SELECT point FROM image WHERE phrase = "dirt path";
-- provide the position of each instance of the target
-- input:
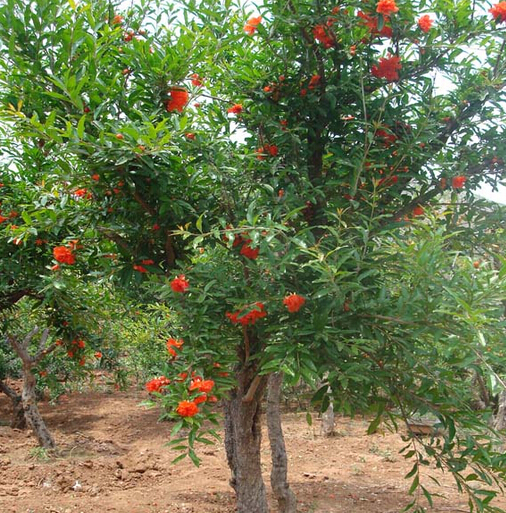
(116, 462)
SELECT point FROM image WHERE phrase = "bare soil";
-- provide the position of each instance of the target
(114, 460)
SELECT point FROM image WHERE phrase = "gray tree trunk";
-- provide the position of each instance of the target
(28, 398)
(500, 418)
(242, 440)
(287, 502)
(328, 421)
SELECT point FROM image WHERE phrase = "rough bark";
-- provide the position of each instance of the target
(18, 420)
(28, 397)
(500, 418)
(243, 438)
(287, 502)
(328, 421)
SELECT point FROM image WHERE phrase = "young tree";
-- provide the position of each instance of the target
(281, 253)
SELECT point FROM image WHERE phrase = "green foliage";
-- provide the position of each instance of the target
(312, 187)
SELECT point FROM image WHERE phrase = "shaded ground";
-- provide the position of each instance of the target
(115, 461)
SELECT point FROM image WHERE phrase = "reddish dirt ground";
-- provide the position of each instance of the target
(114, 460)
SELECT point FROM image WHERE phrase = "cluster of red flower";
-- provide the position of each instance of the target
(267, 149)
(178, 99)
(246, 249)
(235, 109)
(325, 35)
(203, 387)
(173, 344)
(248, 315)
(498, 12)
(156, 384)
(64, 255)
(179, 284)
(294, 302)
(76, 351)
(388, 68)
(252, 24)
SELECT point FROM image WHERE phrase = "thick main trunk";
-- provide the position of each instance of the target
(242, 441)
(287, 503)
(32, 414)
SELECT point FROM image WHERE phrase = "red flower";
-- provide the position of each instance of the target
(270, 149)
(200, 399)
(248, 252)
(3, 218)
(315, 80)
(418, 211)
(70, 354)
(294, 302)
(425, 22)
(64, 255)
(187, 409)
(498, 11)
(257, 312)
(459, 181)
(386, 136)
(201, 385)
(82, 361)
(95, 177)
(81, 344)
(179, 284)
(372, 23)
(55, 267)
(324, 35)
(252, 24)
(117, 20)
(140, 269)
(387, 68)
(156, 384)
(178, 99)
(386, 7)
(196, 80)
(173, 343)
(147, 262)
(80, 193)
(190, 136)
(235, 109)
(98, 354)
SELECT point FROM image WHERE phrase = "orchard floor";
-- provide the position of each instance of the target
(115, 461)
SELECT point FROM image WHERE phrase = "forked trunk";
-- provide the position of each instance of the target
(242, 440)
(287, 503)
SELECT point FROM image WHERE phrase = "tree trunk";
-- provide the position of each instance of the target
(242, 440)
(18, 420)
(28, 397)
(32, 414)
(287, 503)
(328, 421)
(500, 418)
